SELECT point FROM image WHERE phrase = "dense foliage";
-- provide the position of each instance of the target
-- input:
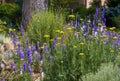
(112, 3)
(51, 49)
(44, 24)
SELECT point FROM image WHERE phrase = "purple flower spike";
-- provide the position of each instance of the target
(63, 37)
(36, 55)
(11, 24)
(40, 63)
(12, 64)
(27, 41)
(29, 69)
(0, 64)
(2, 79)
(51, 58)
(14, 69)
(24, 65)
(21, 30)
(63, 46)
(41, 70)
(21, 54)
(54, 42)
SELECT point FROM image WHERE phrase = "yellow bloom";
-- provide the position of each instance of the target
(42, 47)
(119, 48)
(81, 19)
(112, 51)
(58, 31)
(100, 24)
(114, 37)
(1, 29)
(72, 16)
(4, 22)
(62, 32)
(81, 54)
(78, 32)
(113, 28)
(58, 44)
(69, 28)
(10, 29)
(51, 40)
(46, 36)
(74, 46)
(88, 21)
(82, 43)
(14, 29)
(118, 53)
(105, 29)
(104, 36)
(59, 38)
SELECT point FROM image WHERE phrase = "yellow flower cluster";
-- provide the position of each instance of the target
(81, 54)
(100, 25)
(72, 16)
(59, 38)
(74, 46)
(59, 31)
(2, 23)
(115, 38)
(104, 36)
(112, 28)
(111, 50)
(46, 36)
(69, 28)
(82, 43)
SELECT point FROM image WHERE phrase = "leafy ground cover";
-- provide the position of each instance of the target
(58, 52)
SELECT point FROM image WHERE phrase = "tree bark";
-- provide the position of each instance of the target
(31, 6)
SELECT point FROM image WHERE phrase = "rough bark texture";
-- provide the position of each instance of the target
(30, 6)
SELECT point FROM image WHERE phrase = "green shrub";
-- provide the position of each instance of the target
(44, 23)
(80, 10)
(107, 72)
(91, 10)
(9, 10)
(112, 3)
(112, 15)
(116, 21)
(96, 3)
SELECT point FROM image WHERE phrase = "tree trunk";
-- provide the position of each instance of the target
(31, 6)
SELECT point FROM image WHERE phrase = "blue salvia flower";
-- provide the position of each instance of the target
(3, 79)
(36, 55)
(41, 63)
(46, 48)
(41, 70)
(51, 58)
(33, 48)
(54, 42)
(38, 45)
(63, 46)
(14, 69)
(29, 56)
(96, 14)
(21, 30)
(30, 69)
(17, 39)
(0, 64)
(24, 65)
(27, 41)
(72, 10)
(63, 38)
(11, 24)
(21, 54)
(12, 64)
(21, 70)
